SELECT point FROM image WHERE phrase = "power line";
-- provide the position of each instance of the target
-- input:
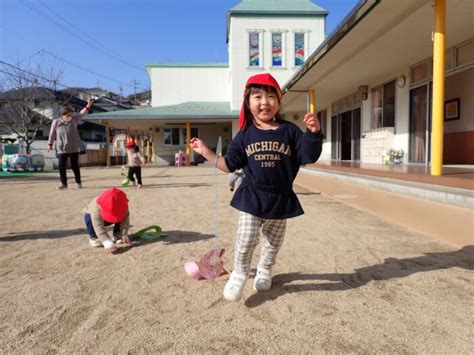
(82, 32)
(84, 69)
(31, 56)
(54, 82)
(50, 19)
(44, 51)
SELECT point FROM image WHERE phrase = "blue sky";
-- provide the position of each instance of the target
(114, 38)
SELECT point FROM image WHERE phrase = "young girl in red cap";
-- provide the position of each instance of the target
(135, 161)
(270, 150)
(111, 207)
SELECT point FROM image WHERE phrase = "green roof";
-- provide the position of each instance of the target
(284, 7)
(183, 111)
(186, 65)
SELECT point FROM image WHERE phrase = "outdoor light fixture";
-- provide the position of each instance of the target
(401, 81)
(364, 91)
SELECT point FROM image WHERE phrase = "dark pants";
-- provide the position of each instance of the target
(62, 161)
(137, 170)
(91, 231)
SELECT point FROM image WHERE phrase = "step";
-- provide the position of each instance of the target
(450, 195)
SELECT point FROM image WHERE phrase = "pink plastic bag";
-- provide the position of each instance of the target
(211, 265)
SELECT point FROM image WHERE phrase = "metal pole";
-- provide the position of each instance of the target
(188, 143)
(438, 88)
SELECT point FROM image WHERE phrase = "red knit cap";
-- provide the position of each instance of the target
(259, 79)
(130, 144)
(113, 205)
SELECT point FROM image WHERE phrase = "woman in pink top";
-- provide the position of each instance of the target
(68, 142)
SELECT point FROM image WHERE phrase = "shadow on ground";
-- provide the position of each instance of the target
(42, 235)
(171, 237)
(391, 268)
(162, 186)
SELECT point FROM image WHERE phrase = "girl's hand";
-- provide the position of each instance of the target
(111, 250)
(198, 146)
(312, 122)
(125, 239)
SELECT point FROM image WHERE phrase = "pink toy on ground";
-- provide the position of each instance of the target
(209, 267)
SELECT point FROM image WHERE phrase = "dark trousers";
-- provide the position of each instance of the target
(90, 228)
(137, 170)
(74, 160)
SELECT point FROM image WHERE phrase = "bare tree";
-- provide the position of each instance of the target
(26, 104)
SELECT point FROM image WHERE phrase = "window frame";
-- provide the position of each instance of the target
(282, 33)
(260, 48)
(383, 108)
(305, 47)
(172, 142)
(192, 135)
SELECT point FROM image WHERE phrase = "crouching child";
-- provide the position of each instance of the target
(111, 207)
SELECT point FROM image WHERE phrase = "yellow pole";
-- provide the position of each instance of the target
(188, 143)
(312, 100)
(438, 89)
(152, 151)
(107, 145)
(148, 155)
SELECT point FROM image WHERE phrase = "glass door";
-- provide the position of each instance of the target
(335, 137)
(419, 129)
(356, 128)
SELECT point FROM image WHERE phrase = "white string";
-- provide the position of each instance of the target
(216, 195)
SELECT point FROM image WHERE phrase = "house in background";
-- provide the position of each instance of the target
(204, 99)
(46, 103)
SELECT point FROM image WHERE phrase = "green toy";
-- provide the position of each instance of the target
(146, 234)
(125, 182)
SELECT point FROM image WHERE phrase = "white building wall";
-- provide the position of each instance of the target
(402, 114)
(326, 152)
(239, 52)
(175, 85)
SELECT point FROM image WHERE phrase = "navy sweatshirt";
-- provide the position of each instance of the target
(271, 160)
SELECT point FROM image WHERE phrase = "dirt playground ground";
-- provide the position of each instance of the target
(345, 281)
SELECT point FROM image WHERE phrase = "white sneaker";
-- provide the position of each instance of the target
(134, 183)
(234, 287)
(139, 186)
(78, 186)
(95, 242)
(263, 279)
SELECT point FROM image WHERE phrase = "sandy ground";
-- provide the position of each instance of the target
(345, 280)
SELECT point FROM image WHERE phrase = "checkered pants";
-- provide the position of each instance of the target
(248, 233)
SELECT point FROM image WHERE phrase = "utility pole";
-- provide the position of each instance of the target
(121, 91)
(135, 84)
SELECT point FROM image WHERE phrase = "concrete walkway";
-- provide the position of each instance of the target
(452, 224)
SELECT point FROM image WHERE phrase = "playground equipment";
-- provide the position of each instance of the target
(22, 162)
(180, 159)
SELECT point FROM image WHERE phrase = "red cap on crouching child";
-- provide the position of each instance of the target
(259, 79)
(113, 205)
(130, 144)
